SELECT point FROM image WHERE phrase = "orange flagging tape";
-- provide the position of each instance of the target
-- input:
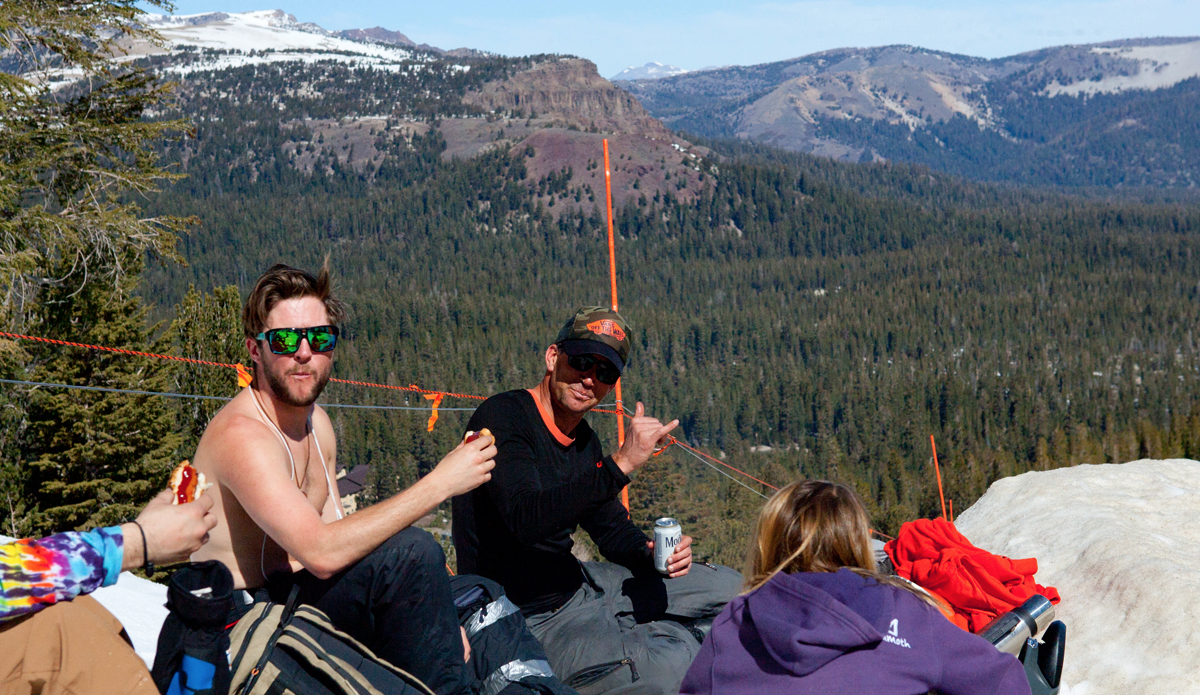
(433, 416)
(245, 378)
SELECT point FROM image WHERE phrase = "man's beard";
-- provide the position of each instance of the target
(279, 387)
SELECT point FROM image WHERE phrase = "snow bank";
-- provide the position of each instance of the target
(1121, 542)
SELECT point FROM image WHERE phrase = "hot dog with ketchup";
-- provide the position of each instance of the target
(187, 483)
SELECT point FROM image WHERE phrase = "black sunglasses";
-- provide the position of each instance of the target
(286, 341)
(606, 373)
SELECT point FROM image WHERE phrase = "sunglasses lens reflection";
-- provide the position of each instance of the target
(284, 342)
(322, 339)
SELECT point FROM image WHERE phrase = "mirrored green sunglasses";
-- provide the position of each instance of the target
(286, 341)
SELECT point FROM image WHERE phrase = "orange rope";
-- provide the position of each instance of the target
(413, 388)
(716, 460)
(938, 469)
(122, 351)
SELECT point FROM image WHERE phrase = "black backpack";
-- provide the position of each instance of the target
(505, 655)
(192, 645)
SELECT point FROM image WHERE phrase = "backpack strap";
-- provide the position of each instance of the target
(293, 601)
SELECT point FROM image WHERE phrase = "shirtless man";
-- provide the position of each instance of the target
(272, 452)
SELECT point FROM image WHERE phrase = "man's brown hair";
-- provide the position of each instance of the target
(285, 282)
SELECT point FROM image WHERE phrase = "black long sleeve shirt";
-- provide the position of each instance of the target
(516, 529)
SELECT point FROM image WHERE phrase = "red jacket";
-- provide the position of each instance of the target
(977, 585)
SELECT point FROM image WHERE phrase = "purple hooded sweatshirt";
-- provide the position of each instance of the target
(838, 632)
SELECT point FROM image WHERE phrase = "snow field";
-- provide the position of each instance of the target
(1121, 542)
(1161, 66)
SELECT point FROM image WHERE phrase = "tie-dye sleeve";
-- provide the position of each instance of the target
(38, 573)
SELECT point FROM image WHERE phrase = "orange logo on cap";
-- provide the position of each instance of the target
(607, 327)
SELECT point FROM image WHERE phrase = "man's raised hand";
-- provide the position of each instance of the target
(466, 467)
(644, 435)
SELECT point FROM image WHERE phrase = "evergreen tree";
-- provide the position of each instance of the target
(206, 327)
(68, 156)
(95, 458)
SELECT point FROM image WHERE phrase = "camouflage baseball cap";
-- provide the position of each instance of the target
(594, 330)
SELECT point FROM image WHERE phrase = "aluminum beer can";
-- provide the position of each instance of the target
(667, 534)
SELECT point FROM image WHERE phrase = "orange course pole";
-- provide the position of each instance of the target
(612, 281)
(938, 469)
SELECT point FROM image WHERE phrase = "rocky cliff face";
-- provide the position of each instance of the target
(571, 93)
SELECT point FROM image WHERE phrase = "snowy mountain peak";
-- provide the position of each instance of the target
(261, 18)
(264, 36)
(649, 71)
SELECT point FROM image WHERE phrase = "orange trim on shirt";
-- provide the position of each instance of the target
(548, 417)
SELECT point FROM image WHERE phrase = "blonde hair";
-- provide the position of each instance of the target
(816, 526)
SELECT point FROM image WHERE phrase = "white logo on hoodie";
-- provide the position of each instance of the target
(893, 635)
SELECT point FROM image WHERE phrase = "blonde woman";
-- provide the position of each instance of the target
(815, 617)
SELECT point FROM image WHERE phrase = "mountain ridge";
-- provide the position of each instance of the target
(914, 104)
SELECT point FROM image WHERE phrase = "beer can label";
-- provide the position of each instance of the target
(667, 534)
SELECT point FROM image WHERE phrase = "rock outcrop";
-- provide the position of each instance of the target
(572, 93)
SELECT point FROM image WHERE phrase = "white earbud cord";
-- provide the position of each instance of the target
(337, 503)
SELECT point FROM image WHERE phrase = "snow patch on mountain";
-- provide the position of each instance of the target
(219, 40)
(1160, 66)
(649, 71)
(267, 36)
(1120, 543)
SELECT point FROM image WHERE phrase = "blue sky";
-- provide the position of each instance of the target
(701, 33)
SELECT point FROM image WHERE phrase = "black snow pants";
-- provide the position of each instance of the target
(633, 635)
(397, 602)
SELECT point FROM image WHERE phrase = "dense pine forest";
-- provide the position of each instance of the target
(802, 318)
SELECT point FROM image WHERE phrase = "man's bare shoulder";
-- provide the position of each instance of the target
(237, 434)
(323, 428)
